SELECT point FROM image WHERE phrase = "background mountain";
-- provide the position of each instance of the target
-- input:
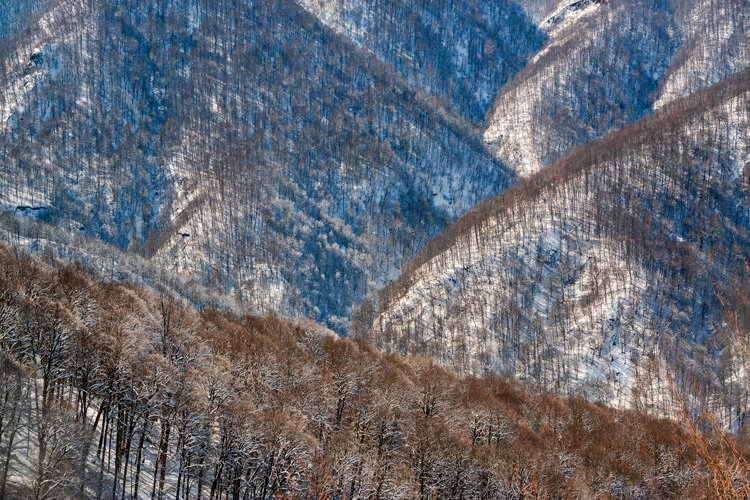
(606, 64)
(598, 274)
(247, 145)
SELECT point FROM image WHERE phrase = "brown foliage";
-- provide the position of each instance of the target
(271, 408)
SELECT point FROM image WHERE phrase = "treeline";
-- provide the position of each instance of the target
(111, 390)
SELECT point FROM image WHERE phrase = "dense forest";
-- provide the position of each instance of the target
(349, 249)
(601, 271)
(111, 390)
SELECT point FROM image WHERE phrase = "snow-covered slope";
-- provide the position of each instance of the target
(247, 146)
(460, 51)
(590, 276)
(715, 44)
(606, 64)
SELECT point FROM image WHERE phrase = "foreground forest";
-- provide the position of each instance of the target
(133, 395)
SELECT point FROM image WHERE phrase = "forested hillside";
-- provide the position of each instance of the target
(112, 391)
(246, 145)
(461, 51)
(293, 155)
(607, 64)
(599, 273)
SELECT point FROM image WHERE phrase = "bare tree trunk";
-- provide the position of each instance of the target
(200, 478)
(163, 449)
(137, 478)
(8, 456)
(128, 444)
(118, 452)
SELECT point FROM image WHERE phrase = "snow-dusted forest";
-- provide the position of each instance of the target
(111, 390)
(350, 248)
(595, 276)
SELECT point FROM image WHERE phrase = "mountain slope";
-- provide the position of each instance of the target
(247, 146)
(461, 51)
(589, 276)
(606, 64)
